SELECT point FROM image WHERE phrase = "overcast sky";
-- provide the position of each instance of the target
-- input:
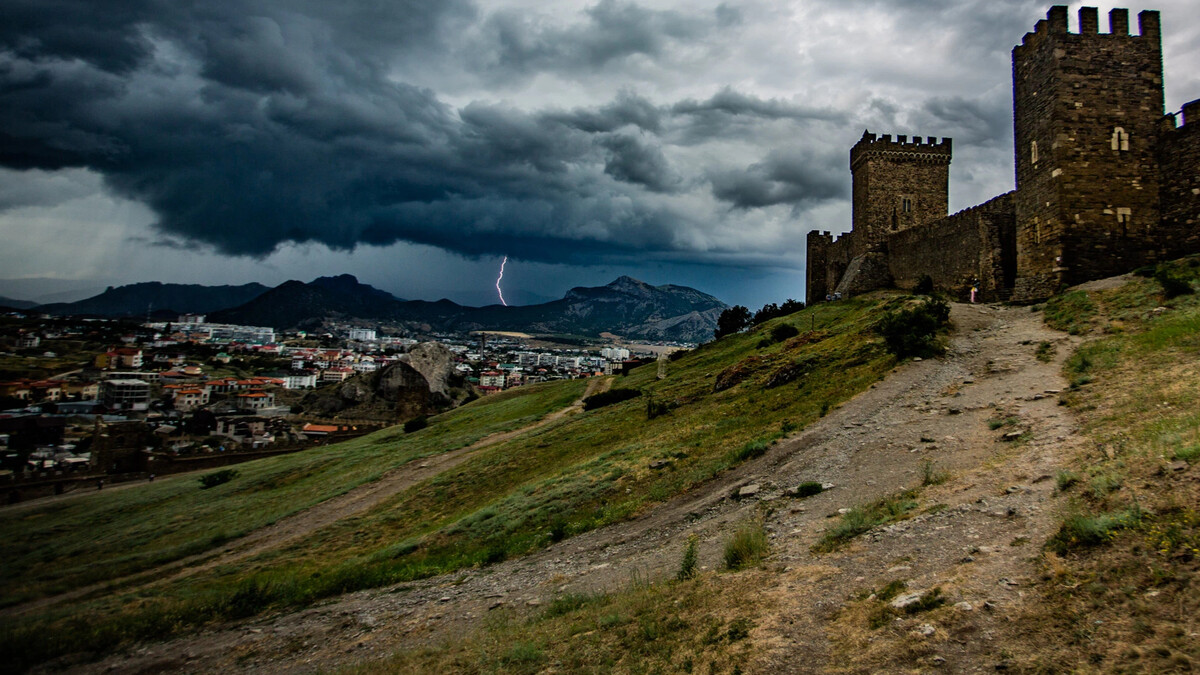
(414, 143)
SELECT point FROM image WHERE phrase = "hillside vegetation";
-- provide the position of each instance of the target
(1119, 590)
(718, 406)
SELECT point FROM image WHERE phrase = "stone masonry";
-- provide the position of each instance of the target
(1105, 182)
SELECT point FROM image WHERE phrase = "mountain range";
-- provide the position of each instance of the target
(625, 307)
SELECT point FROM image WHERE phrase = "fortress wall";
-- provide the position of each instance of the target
(1179, 184)
(978, 243)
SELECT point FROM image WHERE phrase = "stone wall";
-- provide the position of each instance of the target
(1179, 185)
(975, 244)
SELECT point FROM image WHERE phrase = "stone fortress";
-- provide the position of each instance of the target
(1106, 183)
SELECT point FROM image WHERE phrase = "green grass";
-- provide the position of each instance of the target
(746, 547)
(1071, 312)
(863, 518)
(579, 473)
(72, 543)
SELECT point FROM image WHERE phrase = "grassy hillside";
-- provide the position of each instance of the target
(717, 406)
(1119, 587)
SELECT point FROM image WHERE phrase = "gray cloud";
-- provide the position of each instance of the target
(783, 177)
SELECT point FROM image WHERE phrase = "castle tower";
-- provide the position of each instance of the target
(1087, 108)
(898, 184)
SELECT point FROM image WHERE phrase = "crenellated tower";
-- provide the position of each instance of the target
(898, 184)
(1087, 111)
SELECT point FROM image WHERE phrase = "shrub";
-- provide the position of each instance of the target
(609, 397)
(747, 547)
(931, 475)
(808, 489)
(1174, 282)
(688, 566)
(1045, 352)
(416, 424)
(656, 408)
(784, 331)
(1078, 530)
(912, 331)
(1063, 480)
(214, 479)
(924, 285)
(748, 451)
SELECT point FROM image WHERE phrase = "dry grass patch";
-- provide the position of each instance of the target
(704, 625)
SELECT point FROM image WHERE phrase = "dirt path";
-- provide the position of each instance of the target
(974, 538)
(293, 527)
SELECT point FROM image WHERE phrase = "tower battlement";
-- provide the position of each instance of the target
(1055, 24)
(901, 149)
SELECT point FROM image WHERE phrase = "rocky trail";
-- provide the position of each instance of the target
(975, 535)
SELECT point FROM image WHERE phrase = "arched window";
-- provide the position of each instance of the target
(1033, 155)
(1120, 139)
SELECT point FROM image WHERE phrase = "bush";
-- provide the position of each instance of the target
(1078, 531)
(688, 566)
(808, 489)
(214, 479)
(609, 397)
(416, 424)
(748, 451)
(784, 331)
(747, 547)
(1174, 282)
(912, 331)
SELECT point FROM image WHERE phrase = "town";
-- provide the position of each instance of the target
(89, 400)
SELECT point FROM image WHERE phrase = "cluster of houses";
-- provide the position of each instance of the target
(149, 378)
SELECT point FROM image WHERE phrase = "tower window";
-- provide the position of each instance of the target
(906, 204)
(1033, 154)
(1120, 140)
(1124, 219)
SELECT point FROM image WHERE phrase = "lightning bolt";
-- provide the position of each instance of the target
(502, 264)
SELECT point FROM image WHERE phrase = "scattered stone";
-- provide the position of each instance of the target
(954, 411)
(748, 491)
(1013, 489)
(826, 486)
(660, 463)
(926, 630)
(937, 660)
(898, 568)
(842, 512)
(444, 598)
(989, 605)
(533, 602)
(964, 606)
(917, 358)
(1011, 436)
(1178, 465)
(903, 601)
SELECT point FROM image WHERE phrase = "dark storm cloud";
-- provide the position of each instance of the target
(245, 125)
(792, 177)
(632, 160)
(977, 122)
